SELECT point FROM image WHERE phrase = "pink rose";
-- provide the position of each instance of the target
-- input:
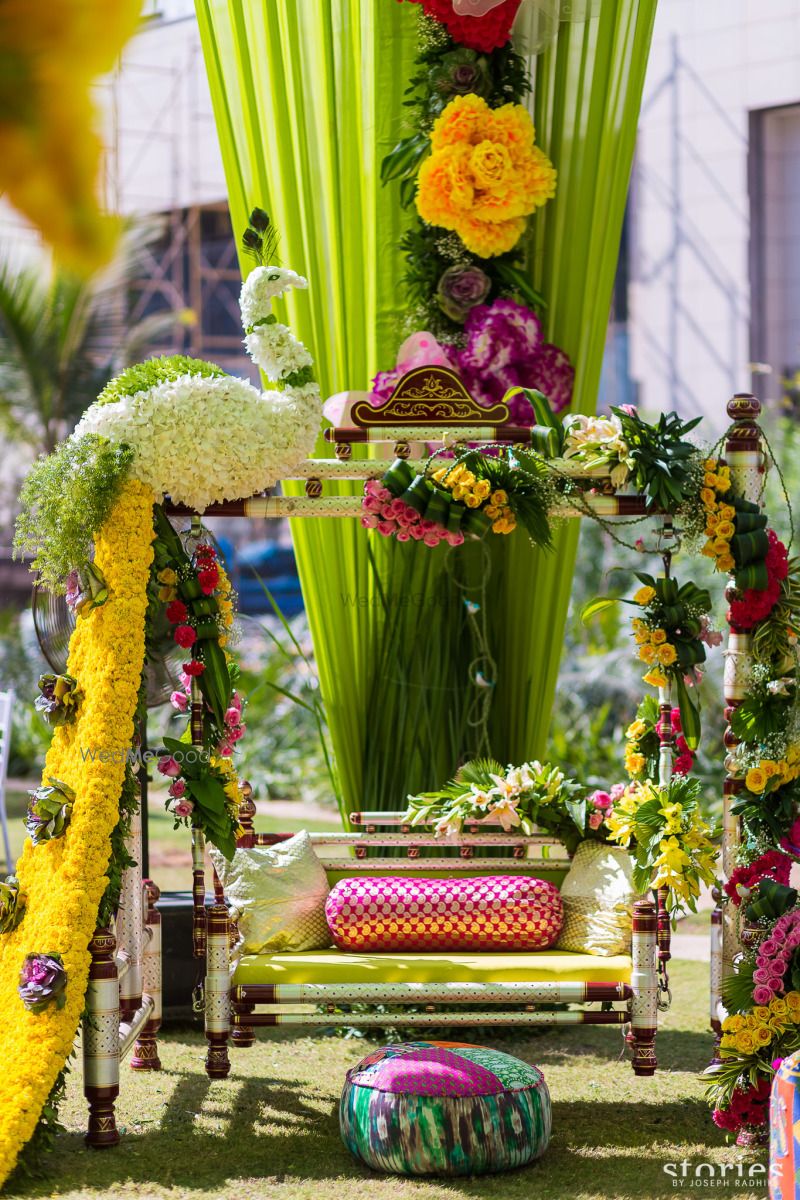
(169, 766)
(371, 504)
(769, 947)
(387, 528)
(616, 792)
(183, 808)
(428, 525)
(383, 494)
(235, 734)
(455, 539)
(595, 820)
(601, 800)
(177, 788)
(762, 995)
(224, 749)
(233, 716)
(431, 539)
(760, 975)
(180, 701)
(371, 487)
(403, 535)
(417, 532)
(369, 521)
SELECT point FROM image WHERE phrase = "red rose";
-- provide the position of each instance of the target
(177, 611)
(185, 636)
(478, 33)
(194, 667)
(208, 580)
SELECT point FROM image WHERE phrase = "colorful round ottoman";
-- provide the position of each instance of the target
(784, 1131)
(444, 1108)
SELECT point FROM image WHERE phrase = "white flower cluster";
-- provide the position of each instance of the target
(204, 440)
(276, 350)
(201, 440)
(262, 286)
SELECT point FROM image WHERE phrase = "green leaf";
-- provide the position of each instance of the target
(598, 605)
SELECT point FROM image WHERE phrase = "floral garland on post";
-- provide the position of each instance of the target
(44, 959)
(473, 170)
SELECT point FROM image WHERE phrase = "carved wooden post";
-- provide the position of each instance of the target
(101, 1042)
(244, 1035)
(217, 990)
(198, 841)
(743, 456)
(644, 981)
(145, 1051)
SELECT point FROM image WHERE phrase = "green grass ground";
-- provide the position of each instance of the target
(271, 1129)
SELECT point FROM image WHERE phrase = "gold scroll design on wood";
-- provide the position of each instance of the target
(429, 396)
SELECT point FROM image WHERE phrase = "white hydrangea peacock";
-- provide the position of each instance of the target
(202, 435)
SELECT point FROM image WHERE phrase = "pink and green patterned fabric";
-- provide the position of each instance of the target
(492, 912)
(444, 1108)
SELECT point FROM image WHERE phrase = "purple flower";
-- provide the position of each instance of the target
(384, 384)
(460, 289)
(459, 72)
(41, 980)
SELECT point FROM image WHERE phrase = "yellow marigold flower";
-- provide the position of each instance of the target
(635, 729)
(755, 780)
(658, 637)
(647, 653)
(644, 595)
(499, 497)
(482, 489)
(656, 679)
(484, 174)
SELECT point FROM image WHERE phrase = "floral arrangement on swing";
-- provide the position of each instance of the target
(142, 596)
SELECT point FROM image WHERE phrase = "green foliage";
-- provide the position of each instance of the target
(260, 239)
(153, 371)
(661, 460)
(64, 501)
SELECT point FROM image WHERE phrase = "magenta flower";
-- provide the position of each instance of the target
(180, 701)
(601, 800)
(42, 980)
(762, 994)
(233, 716)
(183, 808)
(177, 788)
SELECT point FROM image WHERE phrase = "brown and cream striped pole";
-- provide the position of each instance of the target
(217, 986)
(644, 980)
(101, 1042)
(745, 460)
(145, 1051)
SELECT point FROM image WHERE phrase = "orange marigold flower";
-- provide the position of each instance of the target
(484, 174)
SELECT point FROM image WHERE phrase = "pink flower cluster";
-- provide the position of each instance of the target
(602, 803)
(684, 760)
(746, 1107)
(394, 518)
(234, 727)
(774, 955)
(791, 842)
(182, 806)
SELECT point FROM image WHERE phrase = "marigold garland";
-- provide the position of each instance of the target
(64, 879)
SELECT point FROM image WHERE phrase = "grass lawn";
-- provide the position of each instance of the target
(271, 1129)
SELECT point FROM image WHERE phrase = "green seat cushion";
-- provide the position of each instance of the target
(336, 966)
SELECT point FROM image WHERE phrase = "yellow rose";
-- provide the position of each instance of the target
(647, 653)
(482, 489)
(733, 1024)
(471, 500)
(763, 1036)
(489, 163)
(499, 497)
(709, 479)
(642, 637)
(492, 510)
(726, 562)
(460, 492)
(769, 767)
(708, 496)
(727, 512)
(635, 730)
(745, 1042)
(659, 637)
(793, 1000)
(634, 763)
(725, 530)
(655, 679)
(778, 1006)
(667, 655)
(644, 595)
(755, 780)
(710, 464)
(708, 550)
(721, 545)
(761, 1012)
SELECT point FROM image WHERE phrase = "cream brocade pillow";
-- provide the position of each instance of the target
(597, 895)
(279, 893)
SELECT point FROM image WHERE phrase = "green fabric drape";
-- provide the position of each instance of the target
(308, 97)
(587, 96)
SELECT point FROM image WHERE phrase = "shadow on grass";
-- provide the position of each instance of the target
(263, 1128)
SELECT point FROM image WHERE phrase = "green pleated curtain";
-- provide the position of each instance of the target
(307, 97)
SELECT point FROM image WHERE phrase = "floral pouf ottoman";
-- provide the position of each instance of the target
(444, 1108)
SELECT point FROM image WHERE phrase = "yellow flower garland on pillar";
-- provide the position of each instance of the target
(64, 879)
